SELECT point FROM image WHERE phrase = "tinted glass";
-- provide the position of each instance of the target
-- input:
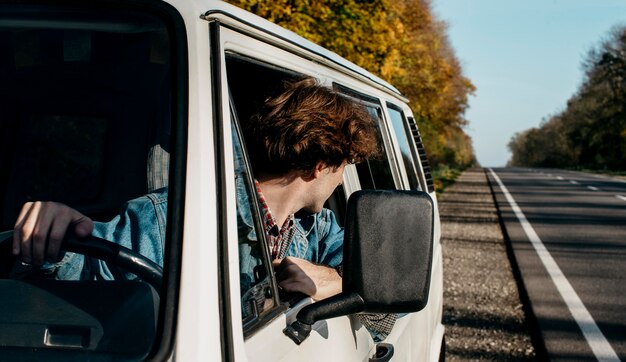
(376, 173)
(84, 98)
(398, 123)
(82, 102)
(253, 270)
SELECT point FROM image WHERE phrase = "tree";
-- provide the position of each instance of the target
(591, 131)
(402, 43)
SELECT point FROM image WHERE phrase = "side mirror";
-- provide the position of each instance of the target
(388, 246)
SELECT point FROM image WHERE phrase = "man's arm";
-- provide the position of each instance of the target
(140, 226)
(299, 275)
(41, 227)
(318, 279)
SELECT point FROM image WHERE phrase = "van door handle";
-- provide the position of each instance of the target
(384, 352)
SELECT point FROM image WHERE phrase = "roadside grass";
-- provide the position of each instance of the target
(445, 176)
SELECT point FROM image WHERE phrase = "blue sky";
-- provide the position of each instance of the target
(524, 57)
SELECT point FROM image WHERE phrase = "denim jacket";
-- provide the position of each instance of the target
(141, 224)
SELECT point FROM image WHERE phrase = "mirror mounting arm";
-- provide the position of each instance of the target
(335, 306)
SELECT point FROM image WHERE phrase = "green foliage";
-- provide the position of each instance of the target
(400, 41)
(445, 176)
(591, 131)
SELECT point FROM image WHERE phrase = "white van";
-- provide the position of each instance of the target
(104, 101)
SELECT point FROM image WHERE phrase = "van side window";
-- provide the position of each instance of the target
(398, 122)
(376, 173)
(337, 203)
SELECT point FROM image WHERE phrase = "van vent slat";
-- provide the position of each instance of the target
(422, 154)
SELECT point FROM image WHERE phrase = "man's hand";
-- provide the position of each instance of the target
(41, 227)
(299, 275)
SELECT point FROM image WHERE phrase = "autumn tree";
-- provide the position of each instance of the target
(402, 43)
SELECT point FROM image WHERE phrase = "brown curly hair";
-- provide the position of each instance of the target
(306, 124)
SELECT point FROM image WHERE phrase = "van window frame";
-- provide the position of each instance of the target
(219, 122)
(172, 261)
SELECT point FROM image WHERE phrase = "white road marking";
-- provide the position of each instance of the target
(599, 345)
(623, 198)
(592, 188)
(573, 182)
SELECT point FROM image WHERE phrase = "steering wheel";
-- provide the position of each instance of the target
(98, 248)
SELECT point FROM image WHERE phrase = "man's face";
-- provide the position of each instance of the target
(324, 186)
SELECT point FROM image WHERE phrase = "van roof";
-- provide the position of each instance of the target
(256, 26)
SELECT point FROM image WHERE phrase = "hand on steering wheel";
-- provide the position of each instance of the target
(105, 250)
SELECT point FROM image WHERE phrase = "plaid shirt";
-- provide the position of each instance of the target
(277, 238)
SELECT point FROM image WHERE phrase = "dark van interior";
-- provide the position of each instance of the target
(80, 110)
(85, 97)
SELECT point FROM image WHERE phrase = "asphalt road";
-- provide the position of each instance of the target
(568, 235)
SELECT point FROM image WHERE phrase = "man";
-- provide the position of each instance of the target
(299, 142)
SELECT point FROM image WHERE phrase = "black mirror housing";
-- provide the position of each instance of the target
(387, 261)
(388, 248)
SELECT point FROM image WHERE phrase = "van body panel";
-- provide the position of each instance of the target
(197, 334)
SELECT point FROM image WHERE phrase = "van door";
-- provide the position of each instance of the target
(411, 335)
(250, 71)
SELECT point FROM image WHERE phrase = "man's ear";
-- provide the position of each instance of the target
(319, 168)
(315, 173)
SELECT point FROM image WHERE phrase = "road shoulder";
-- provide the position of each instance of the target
(483, 313)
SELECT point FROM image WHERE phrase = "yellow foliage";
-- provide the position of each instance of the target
(401, 42)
